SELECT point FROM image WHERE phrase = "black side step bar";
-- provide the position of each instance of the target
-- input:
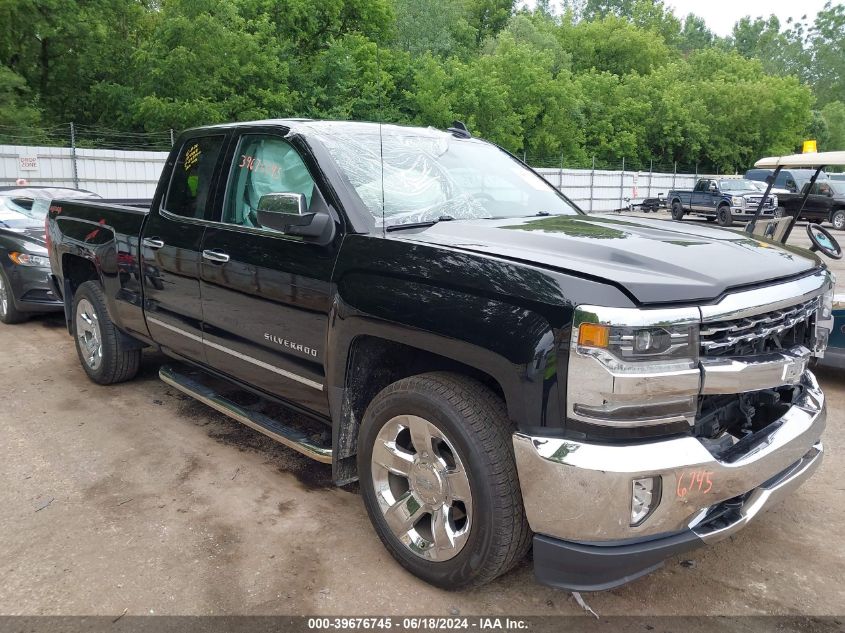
(287, 435)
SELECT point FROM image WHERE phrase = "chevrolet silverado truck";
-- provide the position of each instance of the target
(721, 200)
(494, 367)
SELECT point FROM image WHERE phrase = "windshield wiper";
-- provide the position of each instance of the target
(417, 225)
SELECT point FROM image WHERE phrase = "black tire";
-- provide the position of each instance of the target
(9, 314)
(838, 219)
(724, 217)
(474, 421)
(117, 361)
(677, 210)
(710, 218)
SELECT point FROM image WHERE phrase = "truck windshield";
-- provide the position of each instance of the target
(429, 174)
(837, 187)
(737, 184)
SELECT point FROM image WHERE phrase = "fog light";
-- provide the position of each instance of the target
(645, 497)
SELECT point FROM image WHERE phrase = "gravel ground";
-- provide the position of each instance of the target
(135, 499)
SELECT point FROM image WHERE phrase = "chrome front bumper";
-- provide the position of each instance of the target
(581, 492)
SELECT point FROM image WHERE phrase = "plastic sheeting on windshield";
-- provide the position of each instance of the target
(417, 185)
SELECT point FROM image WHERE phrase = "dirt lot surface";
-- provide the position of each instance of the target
(135, 498)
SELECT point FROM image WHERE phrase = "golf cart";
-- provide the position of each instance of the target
(779, 229)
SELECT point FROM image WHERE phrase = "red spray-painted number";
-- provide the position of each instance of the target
(694, 481)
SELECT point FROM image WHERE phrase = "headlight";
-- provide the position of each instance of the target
(738, 201)
(633, 368)
(824, 319)
(27, 259)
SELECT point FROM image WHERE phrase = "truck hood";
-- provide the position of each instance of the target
(655, 261)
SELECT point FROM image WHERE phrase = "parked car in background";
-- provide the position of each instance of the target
(24, 266)
(787, 181)
(826, 202)
(721, 200)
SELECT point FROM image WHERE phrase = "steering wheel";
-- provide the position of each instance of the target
(823, 241)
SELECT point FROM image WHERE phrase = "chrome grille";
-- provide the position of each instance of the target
(755, 200)
(765, 332)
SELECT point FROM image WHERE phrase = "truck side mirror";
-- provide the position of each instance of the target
(280, 210)
(713, 186)
(288, 213)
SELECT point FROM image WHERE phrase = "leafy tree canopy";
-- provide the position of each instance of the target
(609, 79)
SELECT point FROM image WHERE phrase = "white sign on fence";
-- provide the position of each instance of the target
(28, 163)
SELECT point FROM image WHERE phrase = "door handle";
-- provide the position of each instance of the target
(153, 243)
(215, 256)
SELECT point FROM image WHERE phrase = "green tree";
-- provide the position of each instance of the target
(695, 35)
(66, 50)
(430, 26)
(651, 15)
(16, 110)
(612, 44)
(488, 17)
(780, 52)
(827, 48)
(834, 117)
(204, 63)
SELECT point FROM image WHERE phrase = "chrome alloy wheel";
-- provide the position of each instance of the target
(4, 297)
(422, 488)
(88, 333)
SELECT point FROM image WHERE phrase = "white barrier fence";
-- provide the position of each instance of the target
(109, 173)
(134, 174)
(599, 190)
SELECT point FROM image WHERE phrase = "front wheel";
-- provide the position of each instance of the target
(724, 217)
(439, 481)
(8, 312)
(102, 349)
(677, 210)
(838, 219)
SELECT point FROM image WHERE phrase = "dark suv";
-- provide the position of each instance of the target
(791, 180)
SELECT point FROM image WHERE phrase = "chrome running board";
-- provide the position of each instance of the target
(290, 436)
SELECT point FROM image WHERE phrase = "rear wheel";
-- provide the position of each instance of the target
(724, 217)
(103, 352)
(838, 219)
(677, 210)
(8, 312)
(439, 481)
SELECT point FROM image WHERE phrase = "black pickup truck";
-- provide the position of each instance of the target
(496, 368)
(825, 202)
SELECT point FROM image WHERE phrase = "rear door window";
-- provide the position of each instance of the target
(191, 190)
